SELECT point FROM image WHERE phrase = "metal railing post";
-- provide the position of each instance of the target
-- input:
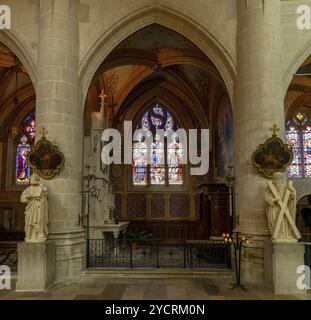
(185, 255)
(131, 255)
(158, 258)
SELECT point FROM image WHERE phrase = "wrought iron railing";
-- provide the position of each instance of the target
(306, 239)
(127, 254)
(208, 254)
(308, 254)
(169, 232)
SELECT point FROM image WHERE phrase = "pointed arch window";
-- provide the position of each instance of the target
(165, 166)
(298, 137)
(25, 141)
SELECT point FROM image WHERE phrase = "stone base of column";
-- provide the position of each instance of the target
(252, 259)
(281, 260)
(70, 254)
(252, 272)
(36, 266)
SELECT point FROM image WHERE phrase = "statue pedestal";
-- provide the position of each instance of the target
(281, 260)
(36, 266)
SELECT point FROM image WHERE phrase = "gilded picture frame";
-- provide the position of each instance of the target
(46, 159)
(272, 156)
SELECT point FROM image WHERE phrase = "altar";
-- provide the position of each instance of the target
(102, 222)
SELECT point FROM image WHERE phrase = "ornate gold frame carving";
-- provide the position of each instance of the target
(273, 155)
(45, 158)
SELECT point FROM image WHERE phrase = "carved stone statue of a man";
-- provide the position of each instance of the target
(280, 206)
(36, 213)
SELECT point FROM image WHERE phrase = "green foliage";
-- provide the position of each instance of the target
(138, 236)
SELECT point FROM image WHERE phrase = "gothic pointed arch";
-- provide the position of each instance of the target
(20, 49)
(173, 20)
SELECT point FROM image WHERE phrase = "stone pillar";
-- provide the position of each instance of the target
(59, 110)
(258, 105)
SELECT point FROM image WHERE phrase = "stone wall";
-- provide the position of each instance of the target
(74, 37)
(217, 17)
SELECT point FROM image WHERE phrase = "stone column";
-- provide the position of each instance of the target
(59, 110)
(258, 105)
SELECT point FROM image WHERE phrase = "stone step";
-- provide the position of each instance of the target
(157, 273)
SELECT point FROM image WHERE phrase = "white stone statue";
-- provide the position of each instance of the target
(280, 205)
(36, 213)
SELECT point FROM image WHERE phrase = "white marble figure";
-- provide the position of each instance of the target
(36, 213)
(280, 205)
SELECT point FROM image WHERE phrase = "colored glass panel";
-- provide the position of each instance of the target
(30, 129)
(175, 163)
(293, 140)
(139, 163)
(154, 118)
(157, 165)
(307, 151)
(22, 166)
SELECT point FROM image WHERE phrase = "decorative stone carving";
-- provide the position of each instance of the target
(280, 205)
(100, 197)
(36, 213)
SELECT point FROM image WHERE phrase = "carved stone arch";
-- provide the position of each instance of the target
(304, 195)
(189, 97)
(173, 20)
(19, 48)
(29, 106)
(295, 64)
(131, 107)
(166, 57)
(302, 101)
(24, 93)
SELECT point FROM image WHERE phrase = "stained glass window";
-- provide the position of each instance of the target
(165, 166)
(175, 164)
(307, 151)
(298, 137)
(140, 163)
(30, 129)
(293, 140)
(22, 172)
(157, 165)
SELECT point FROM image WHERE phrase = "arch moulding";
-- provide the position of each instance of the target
(168, 18)
(19, 48)
(295, 64)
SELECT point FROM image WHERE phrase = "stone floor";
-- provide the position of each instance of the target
(133, 287)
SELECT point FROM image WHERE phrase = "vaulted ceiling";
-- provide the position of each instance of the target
(17, 94)
(299, 91)
(155, 61)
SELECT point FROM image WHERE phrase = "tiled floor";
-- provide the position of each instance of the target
(101, 287)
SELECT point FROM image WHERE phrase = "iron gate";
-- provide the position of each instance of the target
(126, 254)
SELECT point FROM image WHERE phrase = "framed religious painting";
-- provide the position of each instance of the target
(45, 158)
(272, 156)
